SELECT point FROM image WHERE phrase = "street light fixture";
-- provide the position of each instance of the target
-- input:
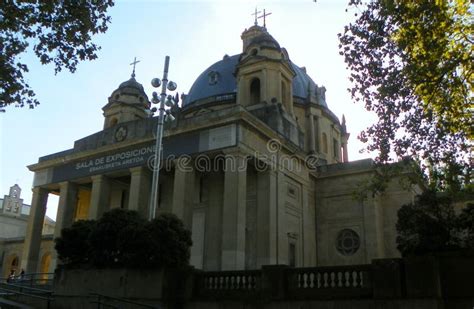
(171, 102)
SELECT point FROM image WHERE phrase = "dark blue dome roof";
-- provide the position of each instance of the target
(219, 80)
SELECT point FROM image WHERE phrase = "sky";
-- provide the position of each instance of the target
(195, 34)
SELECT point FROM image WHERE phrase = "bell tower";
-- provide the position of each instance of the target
(264, 73)
(127, 103)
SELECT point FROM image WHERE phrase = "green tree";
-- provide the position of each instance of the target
(412, 63)
(170, 241)
(430, 225)
(105, 239)
(60, 32)
(466, 226)
(73, 247)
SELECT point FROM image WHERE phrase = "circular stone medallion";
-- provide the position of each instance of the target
(120, 133)
(347, 242)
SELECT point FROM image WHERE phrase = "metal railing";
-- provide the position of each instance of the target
(31, 280)
(104, 301)
(21, 290)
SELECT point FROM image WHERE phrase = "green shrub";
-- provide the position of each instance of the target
(121, 238)
(73, 246)
(169, 242)
(104, 239)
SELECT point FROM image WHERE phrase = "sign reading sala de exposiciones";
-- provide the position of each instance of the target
(124, 158)
(139, 155)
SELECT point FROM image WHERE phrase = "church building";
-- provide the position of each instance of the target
(254, 163)
(14, 216)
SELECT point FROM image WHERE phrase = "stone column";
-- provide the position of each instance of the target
(140, 186)
(345, 154)
(183, 193)
(233, 214)
(65, 215)
(66, 206)
(100, 197)
(32, 244)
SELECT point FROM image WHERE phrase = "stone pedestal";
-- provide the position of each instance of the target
(274, 282)
(387, 278)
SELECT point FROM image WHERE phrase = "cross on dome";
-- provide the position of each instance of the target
(134, 63)
(256, 16)
(264, 19)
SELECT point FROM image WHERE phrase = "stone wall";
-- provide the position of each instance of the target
(372, 219)
(422, 282)
(9, 249)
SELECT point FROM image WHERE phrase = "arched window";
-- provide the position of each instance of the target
(255, 91)
(45, 264)
(325, 143)
(15, 262)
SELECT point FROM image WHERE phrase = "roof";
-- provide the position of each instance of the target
(219, 79)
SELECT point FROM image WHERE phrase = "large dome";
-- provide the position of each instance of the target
(219, 79)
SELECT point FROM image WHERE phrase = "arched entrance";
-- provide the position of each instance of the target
(45, 264)
(12, 262)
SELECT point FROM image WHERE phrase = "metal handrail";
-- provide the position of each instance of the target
(28, 288)
(27, 294)
(123, 300)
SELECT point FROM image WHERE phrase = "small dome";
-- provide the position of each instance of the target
(130, 92)
(132, 83)
(265, 39)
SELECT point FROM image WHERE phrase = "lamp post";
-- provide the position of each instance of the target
(171, 86)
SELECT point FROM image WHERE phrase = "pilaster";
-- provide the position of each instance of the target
(266, 218)
(234, 216)
(183, 191)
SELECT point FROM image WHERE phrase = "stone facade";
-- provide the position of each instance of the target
(255, 164)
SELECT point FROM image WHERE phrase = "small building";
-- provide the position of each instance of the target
(13, 226)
